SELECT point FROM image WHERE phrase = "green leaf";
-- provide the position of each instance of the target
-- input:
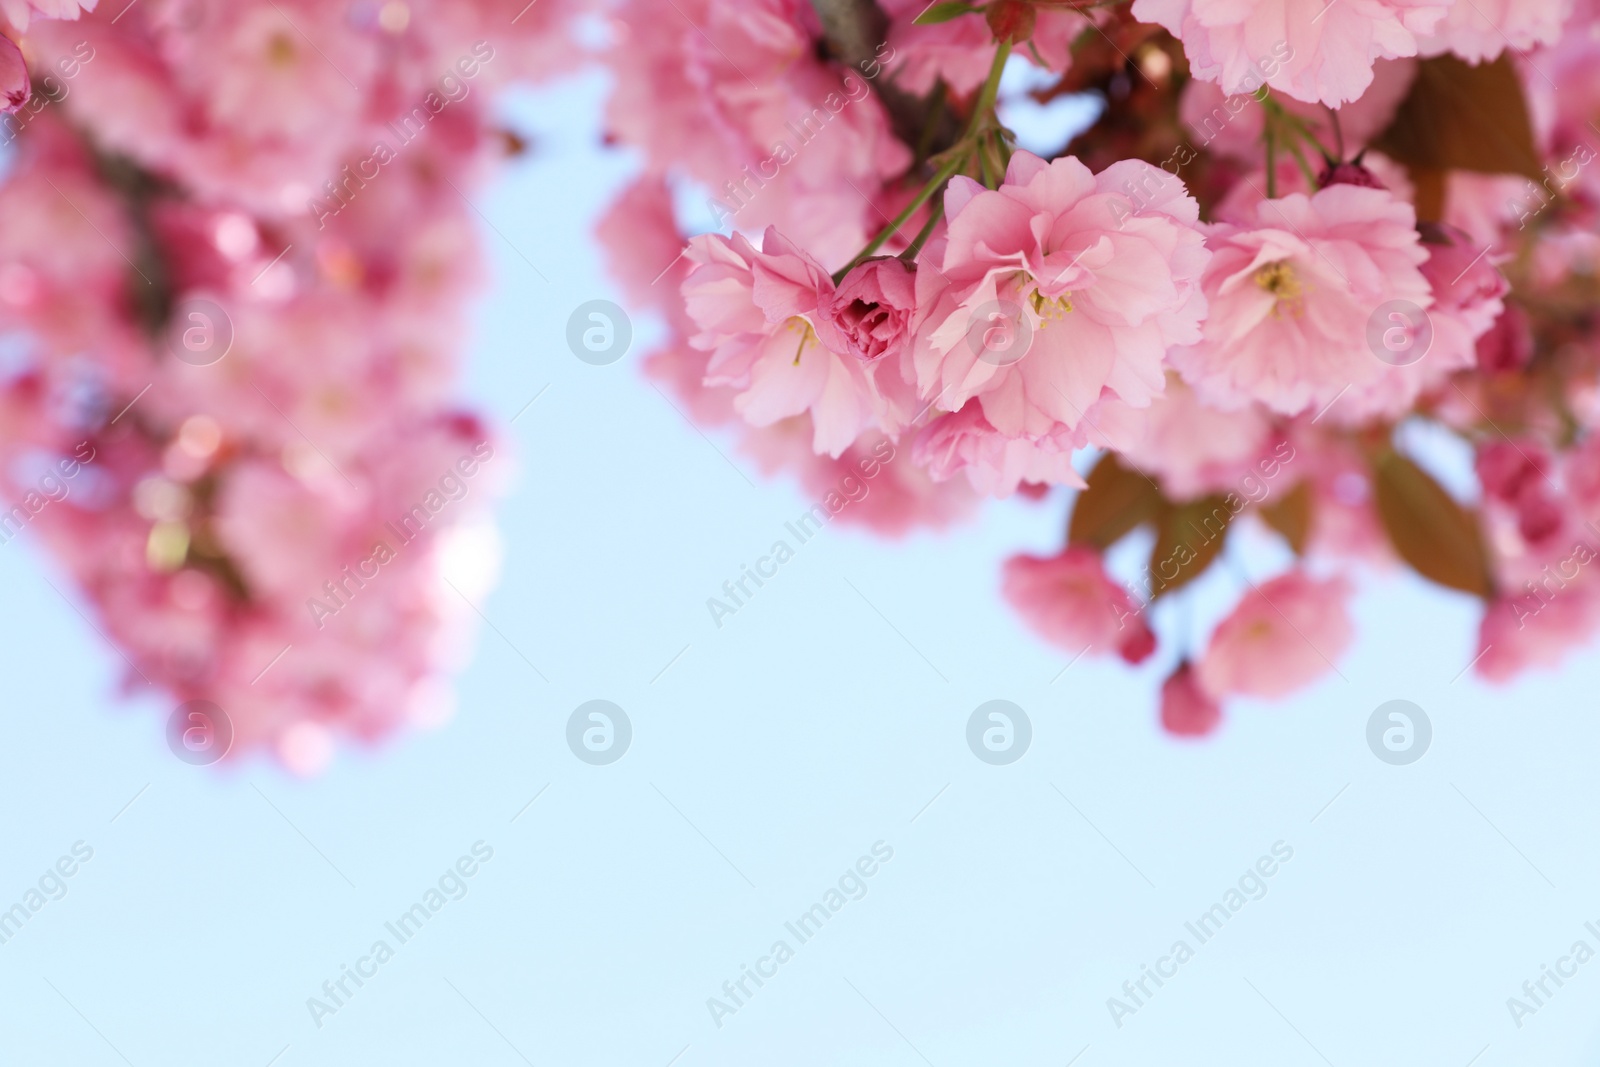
(1189, 538)
(937, 13)
(1463, 117)
(1290, 515)
(1440, 539)
(1117, 500)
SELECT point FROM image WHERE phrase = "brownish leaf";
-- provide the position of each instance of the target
(1188, 540)
(1431, 188)
(1117, 500)
(1464, 117)
(1290, 515)
(1439, 538)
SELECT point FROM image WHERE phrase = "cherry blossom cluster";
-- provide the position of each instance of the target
(235, 267)
(239, 244)
(1298, 236)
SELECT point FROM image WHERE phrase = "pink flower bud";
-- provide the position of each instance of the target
(1186, 709)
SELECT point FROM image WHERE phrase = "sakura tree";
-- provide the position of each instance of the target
(1295, 232)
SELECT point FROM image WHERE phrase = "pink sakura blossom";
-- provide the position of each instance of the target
(1479, 30)
(869, 315)
(1292, 292)
(1483, 205)
(731, 92)
(1187, 710)
(20, 12)
(758, 313)
(1070, 601)
(1562, 86)
(14, 86)
(1193, 449)
(884, 488)
(201, 525)
(264, 105)
(1583, 478)
(960, 51)
(1534, 508)
(1232, 124)
(995, 464)
(1091, 278)
(681, 369)
(643, 248)
(1468, 291)
(1538, 628)
(1507, 346)
(1062, 309)
(1310, 49)
(1344, 517)
(1508, 470)
(1281, 637)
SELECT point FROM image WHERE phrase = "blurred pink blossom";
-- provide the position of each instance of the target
(1281, 637)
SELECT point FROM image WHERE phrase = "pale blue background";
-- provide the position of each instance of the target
(795, 737)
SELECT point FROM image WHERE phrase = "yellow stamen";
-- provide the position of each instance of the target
(806, 334)
(281, 50)
(1048, 308)
(1279, 279)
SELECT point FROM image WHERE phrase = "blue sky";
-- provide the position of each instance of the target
(768, 757)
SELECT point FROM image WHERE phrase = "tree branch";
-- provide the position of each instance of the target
(852, 31)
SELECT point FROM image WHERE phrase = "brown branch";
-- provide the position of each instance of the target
(852, 29)
(852, 32)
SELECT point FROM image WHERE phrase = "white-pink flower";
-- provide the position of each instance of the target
(1281, 636)
(994, 463)
(1479, 30)
(733, 93)
(1232, 124)
(1057, 288)
(1536, 629)
(758, 313)
(960, 50)
(1293, 292)
(1193, 449)
(14, 87)
(1070, 601)
(870, 314)
(1187, 710)
(20, 12)
(1313, 50)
